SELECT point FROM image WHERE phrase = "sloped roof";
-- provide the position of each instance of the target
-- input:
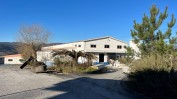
(103, 38)
(92, 40)
(14, 55)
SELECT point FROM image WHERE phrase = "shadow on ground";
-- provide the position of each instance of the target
(89, 88)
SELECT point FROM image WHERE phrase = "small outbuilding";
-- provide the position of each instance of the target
(13, 59)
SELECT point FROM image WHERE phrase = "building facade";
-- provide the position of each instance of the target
(104, 48)
(13, 59)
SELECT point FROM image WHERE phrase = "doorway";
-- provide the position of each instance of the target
(101, 57)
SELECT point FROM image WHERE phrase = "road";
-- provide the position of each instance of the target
(23, 84)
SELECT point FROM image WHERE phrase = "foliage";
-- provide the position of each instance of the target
(33, 37)
(75, 55)
(129, 56)
(89, 56)
(152, 75)
(69, 67)
(156, 84)
(148, 35)
(154, 62)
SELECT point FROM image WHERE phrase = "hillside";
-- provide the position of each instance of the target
(7, 48)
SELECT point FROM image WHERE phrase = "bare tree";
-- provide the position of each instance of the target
(33, 37)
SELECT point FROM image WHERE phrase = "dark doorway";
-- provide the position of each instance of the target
(101, 57)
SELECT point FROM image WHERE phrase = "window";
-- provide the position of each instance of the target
(79, 45)
(119, 47)
(125, 46)
(21, 60)
(106, 46)
(10, 59)
(93, 46)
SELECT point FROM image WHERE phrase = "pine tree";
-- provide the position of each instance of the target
(148, 35)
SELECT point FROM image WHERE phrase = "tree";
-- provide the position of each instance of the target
(75, 55)
(33, 37)
(130, 55)
(89, 56)
(148, 35)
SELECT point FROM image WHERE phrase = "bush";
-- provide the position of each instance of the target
(153, 62)
(126, 60)
(153, 76)
(69, 66)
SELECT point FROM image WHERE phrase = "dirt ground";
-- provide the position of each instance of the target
(23, 84)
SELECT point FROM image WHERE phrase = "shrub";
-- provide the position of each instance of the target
(69, 66)
(153, 62)
(152, 75)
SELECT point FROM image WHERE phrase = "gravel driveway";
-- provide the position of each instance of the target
(23, 84)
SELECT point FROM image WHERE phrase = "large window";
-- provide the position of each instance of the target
(106, 46)
(93, 46)
(119, 47)
(10, 59)
(79, 45)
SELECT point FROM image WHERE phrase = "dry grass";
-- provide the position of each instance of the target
(153, 76)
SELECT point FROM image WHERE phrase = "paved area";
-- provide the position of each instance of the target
(23, 84)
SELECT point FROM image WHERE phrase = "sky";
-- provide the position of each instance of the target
(74, 20)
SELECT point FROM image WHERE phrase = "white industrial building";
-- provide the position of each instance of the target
(104, 48)
(135, 48)
(13, 59)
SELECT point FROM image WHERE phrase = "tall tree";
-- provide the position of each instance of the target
(33, 37)
(148, 36)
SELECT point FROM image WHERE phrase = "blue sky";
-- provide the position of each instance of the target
(73, 20)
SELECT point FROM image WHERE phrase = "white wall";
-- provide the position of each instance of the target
(135, 48)
(105, 58)
(44, 56)
(100, 46)
(68, 46)
(15, 60)
(86, 47)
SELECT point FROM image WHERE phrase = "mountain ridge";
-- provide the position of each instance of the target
(7, 48)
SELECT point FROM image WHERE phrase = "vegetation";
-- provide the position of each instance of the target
(72, 66)
(128, 59)
(154, 74)
(33, 37)
(148, 35)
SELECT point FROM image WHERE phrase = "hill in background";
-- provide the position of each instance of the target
(7, 48)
